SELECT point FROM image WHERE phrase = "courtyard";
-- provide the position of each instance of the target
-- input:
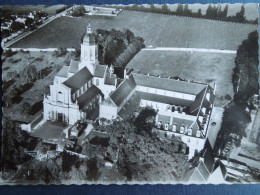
(50, 130)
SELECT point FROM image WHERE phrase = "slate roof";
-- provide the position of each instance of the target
(130, 107)
(122, 92)
(110, 79)
(88, 38)
(208, 160)
(78, 80)
(168, 84)
(100, 71)
(193, 176)
(164, 99)
(74, 66)
(88, 95)
(119, 71)
(63, 72)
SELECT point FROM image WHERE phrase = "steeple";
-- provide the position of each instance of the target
(89, 52)
(111, 69)
(89, 38)
(89, 31)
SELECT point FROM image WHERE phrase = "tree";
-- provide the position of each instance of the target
(16, 26)
(187, 11)
(79, 11)
(152, 8)
(165, 9)
(199, 14)
(29, 22)
(225, 12)
(29, 73)
(240, 16)
(179, 10)
(209, 11)
(25, 108)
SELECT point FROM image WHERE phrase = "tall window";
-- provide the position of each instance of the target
(97, 82)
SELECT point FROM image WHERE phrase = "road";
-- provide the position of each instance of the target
(191, 50)
(25, 34)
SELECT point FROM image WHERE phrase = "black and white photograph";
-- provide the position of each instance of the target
(130, 94)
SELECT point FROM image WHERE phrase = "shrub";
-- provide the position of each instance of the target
(9, 53)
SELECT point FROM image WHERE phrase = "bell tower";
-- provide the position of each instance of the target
(89, 52)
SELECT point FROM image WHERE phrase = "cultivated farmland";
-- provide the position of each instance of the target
(157, 30)
(197, 66)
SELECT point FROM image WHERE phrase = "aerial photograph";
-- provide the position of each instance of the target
(130, 94)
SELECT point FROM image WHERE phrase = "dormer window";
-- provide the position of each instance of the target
(190, 131)
(166, 126)
(159, 124)
(198, 133)
(182, 129)
(174, 127)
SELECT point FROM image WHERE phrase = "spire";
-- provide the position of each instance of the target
(89, 31)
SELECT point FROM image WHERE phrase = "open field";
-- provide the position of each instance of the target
(40, 60)
(197, 66)
(157, 30)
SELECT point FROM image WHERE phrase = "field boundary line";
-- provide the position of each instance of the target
(191, 50)
(39, 49)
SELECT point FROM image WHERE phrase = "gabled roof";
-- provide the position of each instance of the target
(63, 72)
(78, 80)
(193, 176)
(130, 107)
(74, 66)
(109, 102)
(164, 99)
(168, 84)
(119, 71)
(110, 79)
(208, 160)
(100, 71)
(119, 95)
(197, 174)
(87, 96)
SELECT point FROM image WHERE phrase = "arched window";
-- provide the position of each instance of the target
(97, 82)
(60, 96)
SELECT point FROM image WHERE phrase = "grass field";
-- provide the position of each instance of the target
(157, 30)
(199, 67)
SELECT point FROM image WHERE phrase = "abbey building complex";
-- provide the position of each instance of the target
(87, 90)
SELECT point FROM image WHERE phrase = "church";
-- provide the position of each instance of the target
(87, 90)
(79, 88)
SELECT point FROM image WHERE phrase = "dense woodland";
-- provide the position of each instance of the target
(117, 47)
(135, 153)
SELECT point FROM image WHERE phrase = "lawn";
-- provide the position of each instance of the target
(197, 66)
(156, 29)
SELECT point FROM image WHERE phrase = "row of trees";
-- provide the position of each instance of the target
(215, 12)
(245, 82)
